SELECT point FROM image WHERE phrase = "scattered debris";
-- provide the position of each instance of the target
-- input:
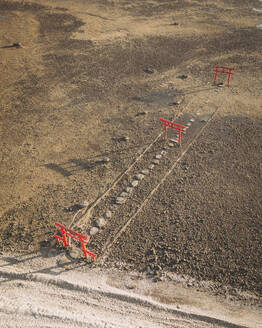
(151, 167)
(158, 156)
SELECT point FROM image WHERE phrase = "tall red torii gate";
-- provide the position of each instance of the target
(78, 236)
(175, 126)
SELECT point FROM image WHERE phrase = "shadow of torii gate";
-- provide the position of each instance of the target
(73, 165)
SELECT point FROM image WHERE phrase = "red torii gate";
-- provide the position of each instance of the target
(176, 126)
(225, 70)
(78, 236)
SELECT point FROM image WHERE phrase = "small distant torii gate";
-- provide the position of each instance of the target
(225, 70)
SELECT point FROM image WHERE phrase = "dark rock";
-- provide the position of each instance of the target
(74, 208)
(16, 45)
(183, 77)
(107, 214)
(84, 204)
(52, 252)
(149, 70)
(155, 161)
(175, 141)
(106, 160)
(124, 194)
(123, 138)
(63, 261)
(175, 103)
(134, 183)
(141, 113)
(120, 200)
(145, 172)
(75, 253)
(100, 222)
(93, 231)
(139, 176)
(130, 286)
(129, 189)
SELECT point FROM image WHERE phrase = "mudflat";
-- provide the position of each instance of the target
(83, 86)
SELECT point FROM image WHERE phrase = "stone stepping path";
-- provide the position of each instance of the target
(111, 214)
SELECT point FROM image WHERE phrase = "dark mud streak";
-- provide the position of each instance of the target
(56, 23)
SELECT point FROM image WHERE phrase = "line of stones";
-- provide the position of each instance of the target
(102, 221)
